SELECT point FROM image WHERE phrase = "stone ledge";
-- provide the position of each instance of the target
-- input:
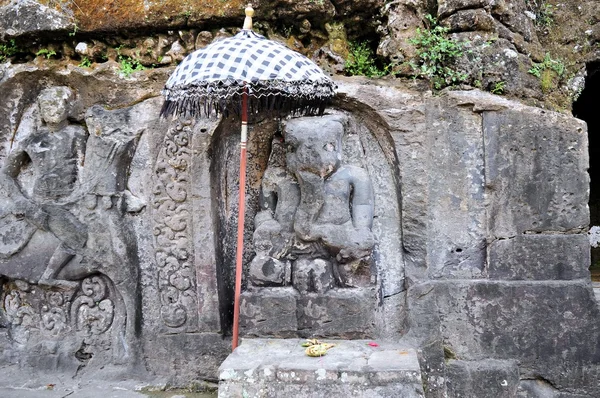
(276, 367)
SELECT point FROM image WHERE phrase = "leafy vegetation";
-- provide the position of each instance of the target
(128, 65)
(74, 32)
(548, 64)
(436, 53)
(498, 88)
(7, 50)
(47, 53)
(85, 62)
(361, 62)
(546, 70)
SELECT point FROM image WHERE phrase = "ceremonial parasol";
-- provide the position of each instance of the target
(238, 74)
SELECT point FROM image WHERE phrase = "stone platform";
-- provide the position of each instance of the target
(353, 368)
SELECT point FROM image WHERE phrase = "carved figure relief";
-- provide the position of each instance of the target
(314, 272)
(314, 227)
(55, 150)
(67, 193)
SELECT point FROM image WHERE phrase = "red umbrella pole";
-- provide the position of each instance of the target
(241, 213)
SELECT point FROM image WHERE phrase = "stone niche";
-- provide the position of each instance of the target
(453, 225)
(326, 232)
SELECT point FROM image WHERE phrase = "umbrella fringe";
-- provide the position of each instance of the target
(224, 97)
(271, 105)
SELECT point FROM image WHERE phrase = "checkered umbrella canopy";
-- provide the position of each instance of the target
(275, 77)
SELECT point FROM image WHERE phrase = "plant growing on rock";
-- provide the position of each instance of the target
(128, 65)
(361, 62)
(46, 52)
(546, 70)
(436, 55)
(498, 88)
(85, 62)
(8, 50)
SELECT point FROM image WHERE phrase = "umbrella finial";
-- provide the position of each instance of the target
(249, 14)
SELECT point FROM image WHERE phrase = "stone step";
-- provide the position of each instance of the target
(353, 368)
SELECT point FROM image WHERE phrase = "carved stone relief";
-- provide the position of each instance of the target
(69, 254)
(172, 230)
(317, 268)
(314, 227)
(82, 318)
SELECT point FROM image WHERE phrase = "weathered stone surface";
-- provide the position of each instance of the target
(456, 201)
(344, 313)
(505, 320)
(323, 208)
(513, 16)
(96, 323)
(536, 389)
(470, 20)
(550, 257)
(195, 355)
(30, 17)
(537, 181)
(203, 214)
(403, 20)
(34, 246)
(489, 378)
(447, 7)
(269, 312)
(170, 216)
(280, 368)
(313, 276)
(284, 312)
(95, 262)
(320, 203)
(269, 271)
(506, 54)
(424, 331)
(539, 388)
(401, 128)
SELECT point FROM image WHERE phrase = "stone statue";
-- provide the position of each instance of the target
(314, 227)
(55, 149)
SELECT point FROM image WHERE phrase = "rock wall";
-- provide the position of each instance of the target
(117, 246)
(533, 50)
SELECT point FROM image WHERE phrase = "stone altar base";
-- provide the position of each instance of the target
(280, 368)
(281, 312)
